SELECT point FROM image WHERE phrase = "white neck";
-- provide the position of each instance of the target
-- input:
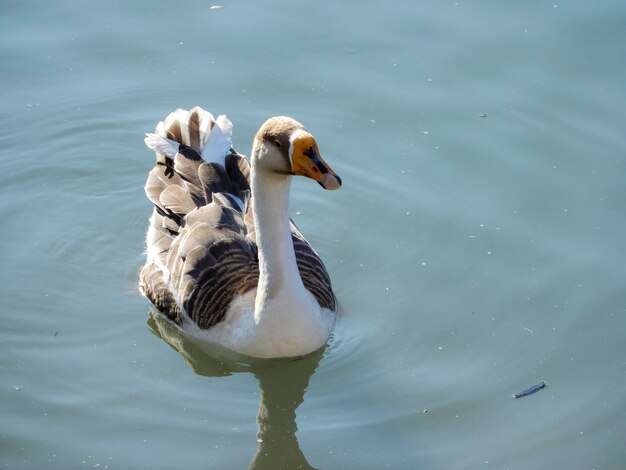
(279, 277)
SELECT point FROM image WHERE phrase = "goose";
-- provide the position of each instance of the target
(224, 261)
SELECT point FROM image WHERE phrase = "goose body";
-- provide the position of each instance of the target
(224, 260)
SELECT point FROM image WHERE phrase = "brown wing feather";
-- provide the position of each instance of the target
(312, 271)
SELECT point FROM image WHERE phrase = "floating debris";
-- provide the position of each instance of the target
(530, 390)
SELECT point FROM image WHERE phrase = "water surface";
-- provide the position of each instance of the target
(476, 247)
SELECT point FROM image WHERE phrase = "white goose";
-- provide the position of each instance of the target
(224, 260)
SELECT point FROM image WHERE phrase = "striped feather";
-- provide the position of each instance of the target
(176, 199)
(218, 144)
(213, 179)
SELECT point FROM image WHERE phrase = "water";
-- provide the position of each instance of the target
(477, 245)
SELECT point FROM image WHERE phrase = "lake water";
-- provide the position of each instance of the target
(477, 246)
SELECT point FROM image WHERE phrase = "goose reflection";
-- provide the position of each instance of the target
(282, 384)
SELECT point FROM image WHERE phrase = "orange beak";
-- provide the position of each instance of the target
(307, 161)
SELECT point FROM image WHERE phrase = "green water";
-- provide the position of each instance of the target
(476, 247)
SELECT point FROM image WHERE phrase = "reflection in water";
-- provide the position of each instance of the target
(282, 385)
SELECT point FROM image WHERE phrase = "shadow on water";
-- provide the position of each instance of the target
(282, 384)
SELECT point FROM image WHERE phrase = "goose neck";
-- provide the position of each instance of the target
(277, 261)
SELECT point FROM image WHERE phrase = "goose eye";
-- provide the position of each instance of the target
(277, 143)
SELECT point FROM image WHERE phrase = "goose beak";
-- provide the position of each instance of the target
(307, 161)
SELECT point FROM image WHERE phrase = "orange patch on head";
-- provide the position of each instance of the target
(306, 161)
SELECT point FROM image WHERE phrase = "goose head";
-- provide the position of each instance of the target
(283, 146)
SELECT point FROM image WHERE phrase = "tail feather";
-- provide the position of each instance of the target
(194, 152)
(181, 141)
(191, 128)
(161, 145)
(219, 143)
(198, 177)
(177, 127)
(202, 122)
(186, 165)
